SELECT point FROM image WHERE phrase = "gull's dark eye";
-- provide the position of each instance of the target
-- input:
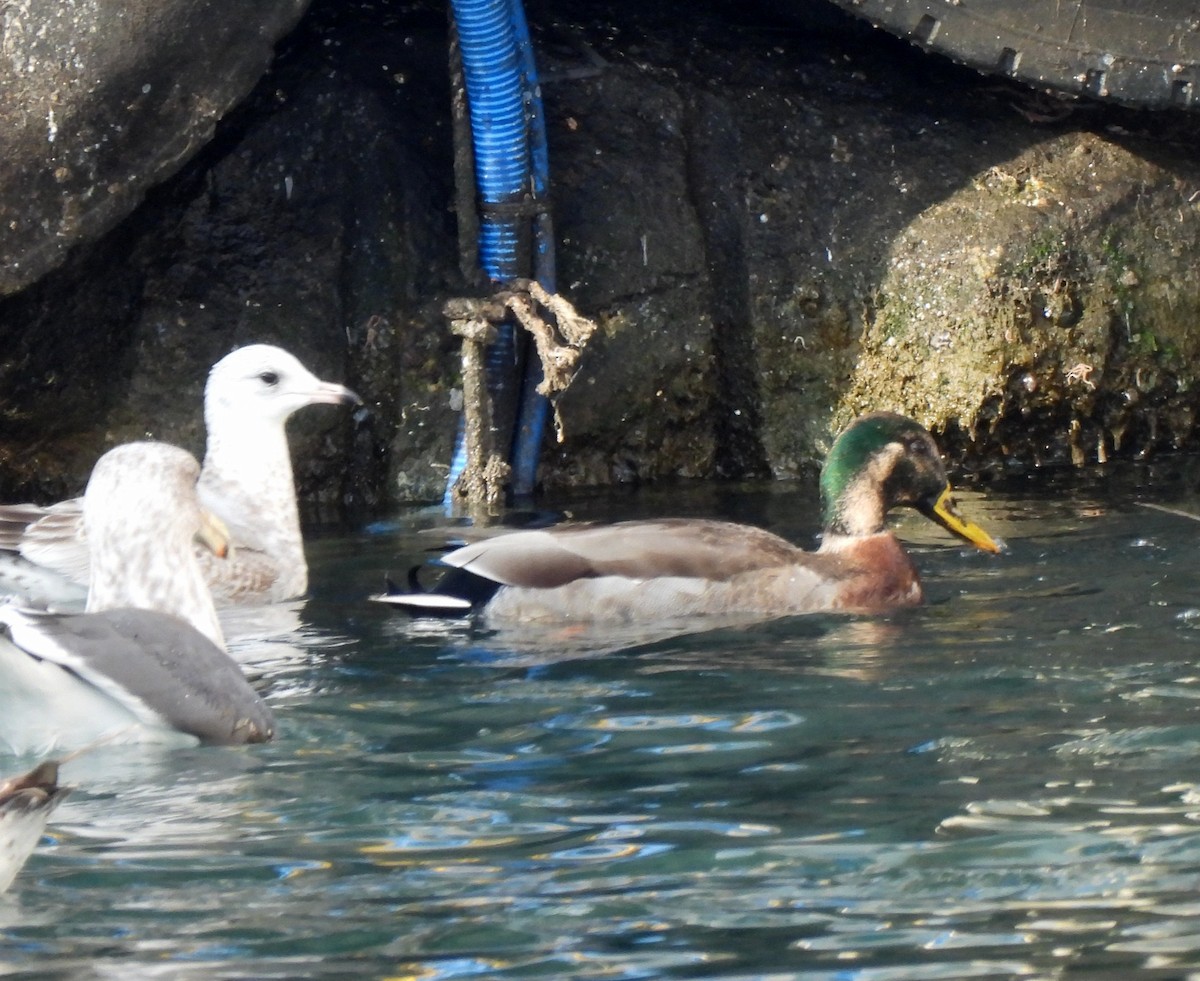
(269, 378)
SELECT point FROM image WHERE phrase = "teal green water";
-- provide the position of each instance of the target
(1002, 784)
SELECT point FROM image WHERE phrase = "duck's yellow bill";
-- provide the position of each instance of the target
(213, 534)
(945, 513)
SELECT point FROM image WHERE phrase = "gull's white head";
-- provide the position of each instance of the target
(264, 383)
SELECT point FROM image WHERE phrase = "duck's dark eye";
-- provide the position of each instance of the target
(269, 378)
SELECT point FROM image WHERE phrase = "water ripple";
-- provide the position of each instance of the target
(998, 785)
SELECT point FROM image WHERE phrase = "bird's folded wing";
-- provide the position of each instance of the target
(55, 539)
(702, 549)
(160, 668)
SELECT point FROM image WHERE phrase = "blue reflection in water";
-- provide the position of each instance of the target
(1000, 784)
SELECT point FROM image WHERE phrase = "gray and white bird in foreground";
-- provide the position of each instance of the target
(147, 660)
(246, 481)
(26, 803)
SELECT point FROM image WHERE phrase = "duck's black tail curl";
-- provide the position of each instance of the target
(457, 594)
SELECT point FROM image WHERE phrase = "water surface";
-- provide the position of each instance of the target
(1001, 784)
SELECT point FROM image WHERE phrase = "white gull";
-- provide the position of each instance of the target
(147, 660)
(246, 481)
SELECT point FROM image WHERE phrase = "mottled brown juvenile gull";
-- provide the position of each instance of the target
(246, 481)
(146, 661)
(26, 803)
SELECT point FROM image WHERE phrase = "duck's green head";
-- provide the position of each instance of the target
(884, 460)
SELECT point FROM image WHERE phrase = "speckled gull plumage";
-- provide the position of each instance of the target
(147, 660)
(246, 481)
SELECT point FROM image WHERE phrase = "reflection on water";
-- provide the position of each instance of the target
(1001, 784)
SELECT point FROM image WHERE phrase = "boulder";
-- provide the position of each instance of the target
(102, 99)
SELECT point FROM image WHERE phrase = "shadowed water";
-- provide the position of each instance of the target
(1001, 784)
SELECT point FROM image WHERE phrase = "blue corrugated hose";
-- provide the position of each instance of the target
(533, 409)
(504, 105)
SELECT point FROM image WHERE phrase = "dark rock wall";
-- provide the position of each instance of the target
(318, 219)
(777, 216)
(102, 99)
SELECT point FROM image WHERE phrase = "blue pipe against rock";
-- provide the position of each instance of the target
(533, 409)
(501, 82)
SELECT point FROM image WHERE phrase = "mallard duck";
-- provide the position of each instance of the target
(146, 661)
(681, 567)
(246, 481)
